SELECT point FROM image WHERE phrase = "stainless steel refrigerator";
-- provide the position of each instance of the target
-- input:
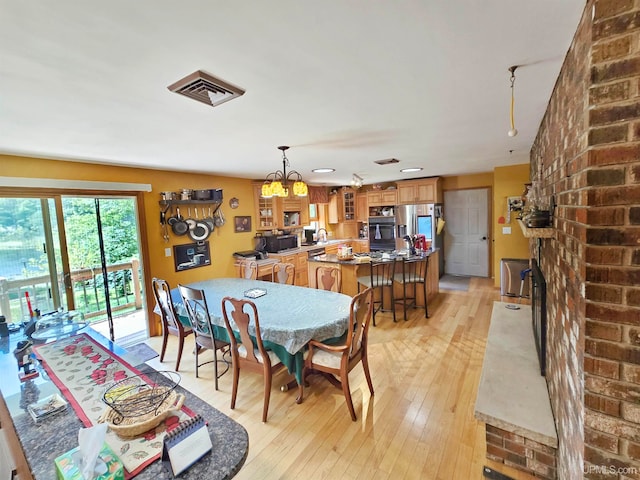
(423, 218)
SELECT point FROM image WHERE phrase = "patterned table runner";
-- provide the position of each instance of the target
(83, 369)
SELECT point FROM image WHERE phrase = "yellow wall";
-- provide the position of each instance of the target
(222, 243)
(461, 182)
(508, 182)
(504, 182)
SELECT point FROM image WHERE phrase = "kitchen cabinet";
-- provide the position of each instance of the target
(12, 458)
(267, 210)
(362, 207)
(299, 261)
(382, 198)
(342, 206)
(424, 190)
(277, 212)
(360, 246)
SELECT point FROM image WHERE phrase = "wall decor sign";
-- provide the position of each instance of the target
(242, 224)
(191, 255)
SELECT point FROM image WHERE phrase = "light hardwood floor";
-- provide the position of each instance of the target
(418, 425)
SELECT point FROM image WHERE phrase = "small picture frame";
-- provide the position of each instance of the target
(242, 224)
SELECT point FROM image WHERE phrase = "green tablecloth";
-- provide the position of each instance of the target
(289, 316)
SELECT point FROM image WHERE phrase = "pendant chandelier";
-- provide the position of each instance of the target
(277, 183)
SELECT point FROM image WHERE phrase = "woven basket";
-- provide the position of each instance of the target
(132, 426)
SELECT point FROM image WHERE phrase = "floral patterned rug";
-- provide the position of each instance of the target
(83, 369)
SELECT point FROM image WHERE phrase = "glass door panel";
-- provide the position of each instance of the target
(30, 264)
(102, 235)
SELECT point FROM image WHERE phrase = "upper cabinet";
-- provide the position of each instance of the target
(382, 198)
(267, 210)
(424, 190)
(277, 212)
(342, 206)
(362, 207)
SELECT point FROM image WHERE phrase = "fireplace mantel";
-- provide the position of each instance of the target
(545, 232)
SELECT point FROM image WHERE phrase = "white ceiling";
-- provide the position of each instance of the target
(343, 82)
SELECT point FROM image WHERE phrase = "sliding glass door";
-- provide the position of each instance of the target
(104, 252)
(75, 253)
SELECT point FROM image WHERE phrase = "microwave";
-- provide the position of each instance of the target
(278, 243)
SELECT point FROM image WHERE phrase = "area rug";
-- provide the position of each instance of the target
(83, 369)
(454, 282)
(142, 351)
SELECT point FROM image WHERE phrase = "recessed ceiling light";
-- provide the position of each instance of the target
(411, 169)
(323, 170)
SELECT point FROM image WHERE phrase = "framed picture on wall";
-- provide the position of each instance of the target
(242, 224)
(191, 255)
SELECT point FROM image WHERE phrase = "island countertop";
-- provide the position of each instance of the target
(359, 266)
(48, 439)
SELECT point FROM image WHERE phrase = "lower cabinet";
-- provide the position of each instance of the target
(13, 463)
(299, 261)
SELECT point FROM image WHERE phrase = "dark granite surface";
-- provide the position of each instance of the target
(333, 258)
(53, 436)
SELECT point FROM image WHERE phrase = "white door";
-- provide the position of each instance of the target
(466, 233)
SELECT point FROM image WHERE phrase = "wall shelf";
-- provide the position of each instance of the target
(544, 232)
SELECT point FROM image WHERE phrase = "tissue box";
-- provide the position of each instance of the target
(68, 465)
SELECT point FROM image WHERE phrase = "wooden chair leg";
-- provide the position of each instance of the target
(365, 367)
(234, 389)
(267, 395)
(165, 337)
(180, 347)
(344, 378)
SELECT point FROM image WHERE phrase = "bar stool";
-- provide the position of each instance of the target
(380, 276)
(414, 272)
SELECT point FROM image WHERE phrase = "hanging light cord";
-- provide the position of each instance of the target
(513, 79)
(513, 132)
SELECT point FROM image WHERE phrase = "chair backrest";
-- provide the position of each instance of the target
(414, 269)
(162, 294)
(381, 272)
(234, 308)
(195, 304)
(360, 313)
(249, 270)
(283, 273)
(328, 278)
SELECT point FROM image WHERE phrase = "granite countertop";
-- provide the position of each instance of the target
(357, 260)
(48, 439)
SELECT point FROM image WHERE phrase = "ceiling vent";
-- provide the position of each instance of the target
(387, 161)
(206, 88)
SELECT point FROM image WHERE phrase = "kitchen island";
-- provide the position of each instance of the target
(359, 266)
(32, 447)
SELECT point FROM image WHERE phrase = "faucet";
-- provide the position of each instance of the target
(324, 236)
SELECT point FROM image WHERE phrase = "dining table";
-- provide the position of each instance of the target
(289, 315)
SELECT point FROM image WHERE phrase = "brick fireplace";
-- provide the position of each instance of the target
(588, 151)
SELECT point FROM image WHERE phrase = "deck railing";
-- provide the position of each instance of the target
(88, 291)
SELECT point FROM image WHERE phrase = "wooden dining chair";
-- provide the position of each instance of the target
(339, 360)
(380, 277)
(329, 278)
(171, 324)
(249, 270)
(283, 273)
(414, 272)
(195, 303)
(247, 353)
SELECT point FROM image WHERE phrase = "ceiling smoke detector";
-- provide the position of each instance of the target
(387, 161)
(206, 88)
